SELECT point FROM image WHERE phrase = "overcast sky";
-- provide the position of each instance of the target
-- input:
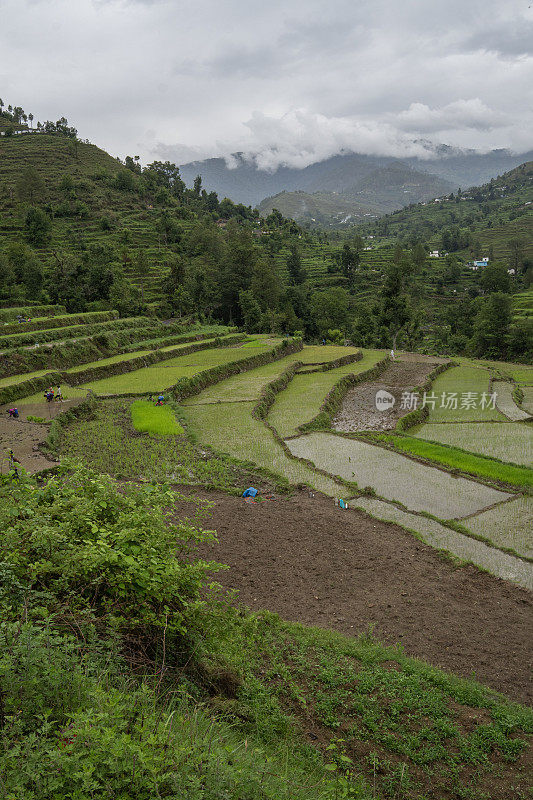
(290, 81)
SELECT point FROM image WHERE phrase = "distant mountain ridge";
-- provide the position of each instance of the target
(343, 173)
(379, 192)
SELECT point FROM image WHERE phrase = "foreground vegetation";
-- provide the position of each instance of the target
(92, 587)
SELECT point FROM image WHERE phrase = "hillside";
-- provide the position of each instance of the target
(379, 192)
(489, 217)
(244, 183)
(83, 230)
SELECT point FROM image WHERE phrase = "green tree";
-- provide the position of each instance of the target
(294, 266)
(330, 309)
(29, 185)
(495, 278)
(251, 312)
(492, 327)
(37, 227)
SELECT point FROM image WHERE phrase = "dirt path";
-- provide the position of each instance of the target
(358, 411)
(312, 563)
(23, 437)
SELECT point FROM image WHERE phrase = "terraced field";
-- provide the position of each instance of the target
(509, 441)
(302, 398)
(508, 525)
(395, 477)
(462, 395)
(222, 417)
(505, 402)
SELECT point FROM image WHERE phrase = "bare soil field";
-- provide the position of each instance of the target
(310, 562)
(358, 411)
(23, 437)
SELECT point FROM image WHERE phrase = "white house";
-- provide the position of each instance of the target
(434, 254)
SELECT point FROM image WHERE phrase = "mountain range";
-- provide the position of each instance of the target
(349, 185)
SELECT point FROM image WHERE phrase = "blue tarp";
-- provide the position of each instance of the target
(250, 492)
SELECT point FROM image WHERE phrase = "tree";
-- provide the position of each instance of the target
(237, 269)
(418, 255)
(492, 327)
(29, 185)
(294, 266)
(250, 310)
(349, 261)
(330, 309)
(265, 284)
(197, 185)
(393, 309)
(516, 254)
(37, 227)
(495, 278)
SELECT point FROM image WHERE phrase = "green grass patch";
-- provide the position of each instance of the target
(412, 730)
(155, 420)
(456, 458)
(108, 443)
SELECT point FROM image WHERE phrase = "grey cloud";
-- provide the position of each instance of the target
(285, 82)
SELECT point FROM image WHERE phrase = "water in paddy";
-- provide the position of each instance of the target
(396, 477)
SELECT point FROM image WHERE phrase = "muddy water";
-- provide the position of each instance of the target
(359, 412)
(437, 535)
(396, 477)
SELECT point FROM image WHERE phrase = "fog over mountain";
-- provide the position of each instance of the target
(240, 178)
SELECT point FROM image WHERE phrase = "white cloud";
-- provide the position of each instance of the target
(286, 81)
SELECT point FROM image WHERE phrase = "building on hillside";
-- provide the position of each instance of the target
(434, 254)
(481, 262)
(511, 272)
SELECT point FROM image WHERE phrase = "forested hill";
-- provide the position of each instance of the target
(82, 229)
(380, 191)
(495, 219)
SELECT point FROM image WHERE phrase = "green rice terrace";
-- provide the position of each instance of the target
(367, 634)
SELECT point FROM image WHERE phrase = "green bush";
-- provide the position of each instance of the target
(92, 548)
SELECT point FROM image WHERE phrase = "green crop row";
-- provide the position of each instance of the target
(458, 459)
(96, 372)
(70, 332)
(72, 352)
(62, 320)
(186, 387)
(10, 314)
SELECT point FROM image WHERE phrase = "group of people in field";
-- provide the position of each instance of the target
(51, 395)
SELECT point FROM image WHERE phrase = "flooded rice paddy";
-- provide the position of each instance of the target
(511, 441)
(507, 525)
(395, 477)
(505, 402)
